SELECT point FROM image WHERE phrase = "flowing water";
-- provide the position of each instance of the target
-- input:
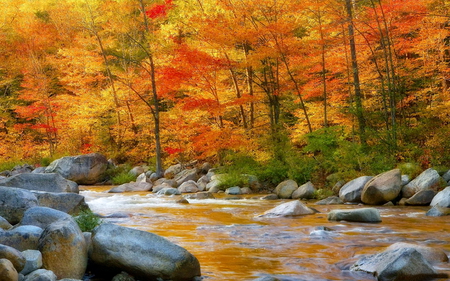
(232, 242)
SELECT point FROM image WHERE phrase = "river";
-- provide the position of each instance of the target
(232, 242)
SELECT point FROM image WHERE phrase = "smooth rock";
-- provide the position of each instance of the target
(168, 191)
(442, 199)
(64, 250)
(293, 208)
(22, 238)
(186, 175)
(189, 186)
(432, 255)
(136, 171)
(4, 224)
(157, 188)
(332, 200)
(437, 211)
(423, 197)
(143, 254)
(235, 190)
(14, 256)
(428, 179)
(41, 182)
(200, 195)
(42, 216)
(70, 203)
(270, 197)
(285, 189)
(172, 171)
(82, 169)
(382, 188)
(446, 176)
(246, 190)
(14, 202)
(131, 187)
(355, 215)
(41, 275)
(7, 271)
(305, 191)
(351, 191)
(33, 261)
(202, 183)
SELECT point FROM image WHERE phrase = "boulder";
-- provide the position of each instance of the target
(39, 170)
(446, 176)
(202, 182)
(234, 190)
(169, 182)
(356, 215)
(172, 171)
(41, 182)
(33, 261)
(159, 187)
(423, 197)
(395, 265)
(253, 183)
(200, 195)
(64, 250)
(293, 208)
(437, 211)
(143, 178)
(285, 189)
(70, 203)
(405, 180)
(136, 171)
(305, 191)
(168, 191)
(41, 275)
(432, 255)
(246, 190)
(22, 238)
(186, 175)
(270, 197)
(143, 254)
(14, 202)
(131, 187)
(332, 200)
(7, 271)
(4, 224)
(428, 179)
(82, 169)
(188, 187)
(14, 256)
(351, 191)
(42, 216)
(382, 188)
(442, 199)
(22, 169)
(337, 187)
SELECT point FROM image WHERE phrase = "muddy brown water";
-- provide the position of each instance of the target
(232, 242)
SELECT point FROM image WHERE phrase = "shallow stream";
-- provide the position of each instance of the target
(233, 243)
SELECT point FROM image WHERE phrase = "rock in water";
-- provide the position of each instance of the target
(293, 208)
(428, 179)
(351, 191)
(382, 188)
(442, 199)
(82, 169)
(285, 189)
(41, 182)
(142, 254)
(358, 215)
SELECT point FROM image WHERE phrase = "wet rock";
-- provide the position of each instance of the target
(69, 258)
(41, 275)
(442, 199)
(70, 203)
(270, 197)
(169, 182)
(437, 211)
(186, 175)
(356, 215)
(351, 191)
(159, 187)
(332, 200)
(143, 178)
(168, 191)
(7, 271)
(305, 191)
(200, 195)
(235, 190)
(188, 187)
(428, 179)
(123, 276)
(202, 183)
(22, 238)
(432, 255)
(33, 261)
(285, 189)
(14, 256)
(395, 265)
(14, 202)
(142, 254)
(246, 190)
(42, 216)
(182, 201)
(82, 169)
(41, 182)
(4, 224)
(421, 198)
(293, 208)
(131, 187)
(172, 171)
(382, 188)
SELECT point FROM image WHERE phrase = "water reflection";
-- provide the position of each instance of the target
(233, 243)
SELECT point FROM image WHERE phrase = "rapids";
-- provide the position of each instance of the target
(233, 243)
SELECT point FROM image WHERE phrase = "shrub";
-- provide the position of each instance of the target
(320, 194)
(87, 220)
(120, 175)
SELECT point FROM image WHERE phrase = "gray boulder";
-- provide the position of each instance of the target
(33, 261)
(41, 275)
(14, 202)
(382, 188)
(170, 182)
(428, 179)
(157, 188)
(189, 186)
(351, 191)
(70, 203)
(82, 169)
(131, 187)
(270, 197)
(293, 208)
(136, 171)
(172, 171)
(446, 176)
(305, 191)
(186, 175)
(41, 182)
(39, 170)
(7, 271)
(42, 216)
(22, 169)
(22, 238)
(202, 182)
(285, 189)
(332, 200)
(423, 197)
(142, 254)
(437, 211)
(14, 256)
(200, 195)
(168, 191)
(4, 224)
(234, 190)
(442, 199)
(432, 255)
(357, 215)
(395, 265)
(69, 258)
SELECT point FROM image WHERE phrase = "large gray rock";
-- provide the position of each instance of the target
(41, 182)
(41, 275)
(132, 187)
(188, 187)
(423, 197)
(22, 169)
(7, 271)
(332, 200)
(357, 215)
(428, 179)
(442, 199)
(285, 189)
(70, 203)
(33, 261)
(82, 169)
(305, 191)
(432, 255)
(42, 216)
(22, 238)
(351, 191)
(186, 175)
(142, 254)
(172, 171)
(437, 211)
(382, 188)
(14, 256)
(446, 176)
(168, 191)
(395, 265)
(234, 190)
(64, 250)
(200, 195)
(293, 208)
(14, 202)
(159, 187)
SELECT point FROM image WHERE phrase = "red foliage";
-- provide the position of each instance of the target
(159, 10)
(172, 150)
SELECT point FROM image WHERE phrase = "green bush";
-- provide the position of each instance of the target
(410, 169)
(120, 175)
(320, 194)
(87, 220)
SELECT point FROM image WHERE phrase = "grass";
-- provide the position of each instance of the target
(87, 220)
